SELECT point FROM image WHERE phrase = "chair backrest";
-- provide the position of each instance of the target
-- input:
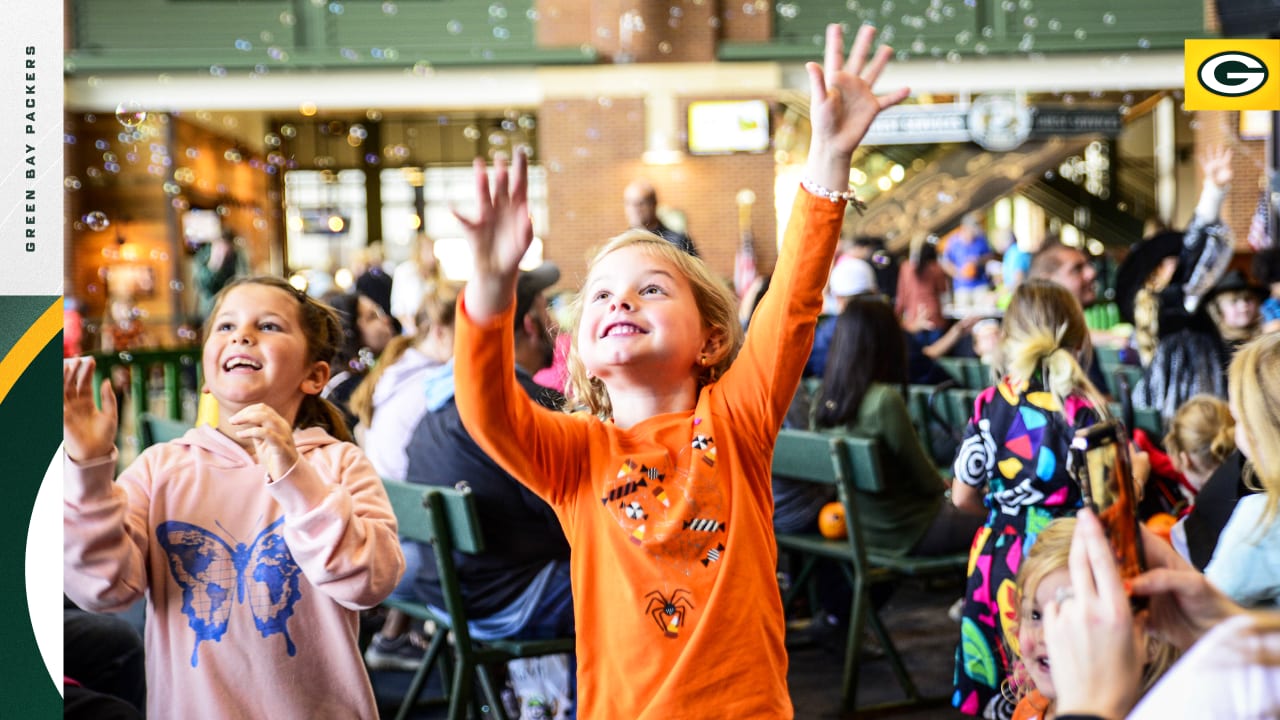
(458, 524)
(446, 518)
(805, 456)
(864, 468)
(959, 405)
(824, 458)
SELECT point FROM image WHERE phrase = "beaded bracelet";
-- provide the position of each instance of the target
(848, 195)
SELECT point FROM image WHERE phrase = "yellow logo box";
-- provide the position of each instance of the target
(1232, 74)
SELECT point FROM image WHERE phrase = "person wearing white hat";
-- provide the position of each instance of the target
(849, 278)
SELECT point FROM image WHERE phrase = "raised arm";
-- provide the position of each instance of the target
(499, 235)
(526, 439)
(842, 104)
(842, 107)
(104, 528)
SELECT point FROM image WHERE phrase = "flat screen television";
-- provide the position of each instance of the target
(718, 127)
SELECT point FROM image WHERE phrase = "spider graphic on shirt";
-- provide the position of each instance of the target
(668, 612)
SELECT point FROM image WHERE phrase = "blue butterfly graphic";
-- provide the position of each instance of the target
(205, 566)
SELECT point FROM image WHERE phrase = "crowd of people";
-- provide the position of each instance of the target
(627, 500)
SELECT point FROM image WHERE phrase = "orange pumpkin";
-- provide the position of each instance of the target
(1161, 524)
(831, 521)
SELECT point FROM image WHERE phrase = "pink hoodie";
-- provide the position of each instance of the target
(254, 586)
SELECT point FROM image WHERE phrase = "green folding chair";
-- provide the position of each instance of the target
(446, 519)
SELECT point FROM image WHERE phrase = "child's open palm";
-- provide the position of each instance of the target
(1216, 165)
(842, 103)
(499, 234)
(87, 431)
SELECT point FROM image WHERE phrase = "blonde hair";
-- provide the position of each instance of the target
(717, 306)
(1203, 429)
(1253, 384)
(1042, 334)
(435, 310)
(1049, 553)
(1146, 324)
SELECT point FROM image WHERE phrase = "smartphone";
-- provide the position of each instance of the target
(1100, 465)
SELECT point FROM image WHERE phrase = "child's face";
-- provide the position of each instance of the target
(1031, 633)
(256, 352)
(1239, 309)
(639, 314)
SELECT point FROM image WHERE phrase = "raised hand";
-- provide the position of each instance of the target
(87, 432)
(1216, 164)
(842, 103)
(1184, 605)
(499, 235)
(271, 435)
(1094, 656)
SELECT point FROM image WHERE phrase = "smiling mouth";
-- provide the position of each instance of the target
(622, 330)
(237, 363)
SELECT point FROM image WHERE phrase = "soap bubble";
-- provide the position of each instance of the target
(453, 27)
(97, 220)
(130, 114)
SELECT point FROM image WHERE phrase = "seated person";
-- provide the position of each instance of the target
(1199, 440)
(519, 587)
(862, 393)
(850, 278)
(1246, 562)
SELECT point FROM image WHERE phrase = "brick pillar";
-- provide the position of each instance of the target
(634, 30)
(1249, 160)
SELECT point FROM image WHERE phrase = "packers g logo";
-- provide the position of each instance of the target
(1232, 74)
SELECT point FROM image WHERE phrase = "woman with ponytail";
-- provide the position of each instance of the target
(1012, 468)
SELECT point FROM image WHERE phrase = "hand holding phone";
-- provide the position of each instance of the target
(1101, 465)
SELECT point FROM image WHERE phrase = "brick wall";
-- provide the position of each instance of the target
(1249, 160)
(592, 150)
(739, 26)
(641, 31)
(562, 23)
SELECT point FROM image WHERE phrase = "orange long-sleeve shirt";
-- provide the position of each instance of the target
(673, 556)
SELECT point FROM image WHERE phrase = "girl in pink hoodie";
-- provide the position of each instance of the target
(256, 542)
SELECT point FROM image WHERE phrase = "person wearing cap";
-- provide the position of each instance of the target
(640, 201)
(519, 586)
(1195, 359)
(849, 278)
(1162, 280)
